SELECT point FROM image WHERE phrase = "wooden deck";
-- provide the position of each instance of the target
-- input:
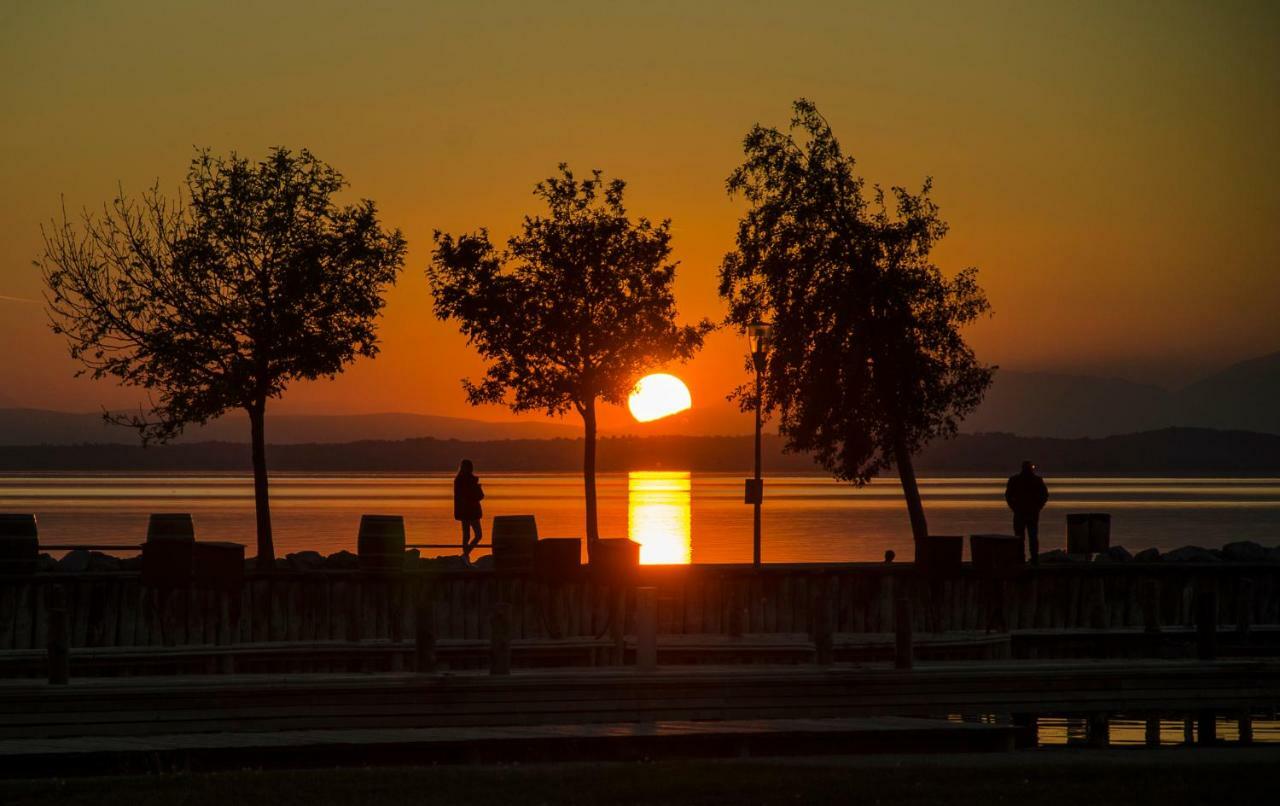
(599, 741)
(142, 706)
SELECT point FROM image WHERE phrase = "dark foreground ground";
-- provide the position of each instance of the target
(1076, 777)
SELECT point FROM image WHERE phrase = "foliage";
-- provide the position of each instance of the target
(578, 306)
(253, 279)
(867, 363)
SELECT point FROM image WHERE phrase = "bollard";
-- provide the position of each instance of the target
(500, 639)
(59, 649)
(823, 641)
(647, 629)
(424, 639)
(1207, 625)
(902, 621)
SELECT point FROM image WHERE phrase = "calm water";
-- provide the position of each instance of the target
(677, 517)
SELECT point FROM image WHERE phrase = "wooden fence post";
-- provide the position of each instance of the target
(1207, 625)
(424, 643)
(59, 647)
(617, 625)
(647, 628)
(903, 657)
(823, 640)
(1244, 608)
(500, 639)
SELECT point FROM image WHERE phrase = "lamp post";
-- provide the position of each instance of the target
(759, 334)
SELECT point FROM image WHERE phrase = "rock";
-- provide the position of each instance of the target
(412, 555)
(1055, 556)
(1191, 554)
(46, 563)
(1151, 555)
(484, 563)
(1273, 555)
(1244, 551)
(306, 560)
(103, 562)
(1115, 554)
(74, 562)
(133, 563)
(344, 560)
(449, 563)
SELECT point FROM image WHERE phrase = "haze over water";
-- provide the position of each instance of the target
(676, 516)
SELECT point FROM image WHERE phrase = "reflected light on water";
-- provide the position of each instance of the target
(658, 516)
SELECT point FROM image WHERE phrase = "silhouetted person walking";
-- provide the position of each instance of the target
(1026, 495)
(467, 494)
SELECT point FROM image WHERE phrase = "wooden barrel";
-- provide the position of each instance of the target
(167, 560)
(514, 538)
(380, 544)
(19, 544)
(996, 556)
(1088, 532)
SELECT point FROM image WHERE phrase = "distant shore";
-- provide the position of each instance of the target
(1194, 451)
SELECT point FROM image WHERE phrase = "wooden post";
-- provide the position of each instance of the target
(1245, 725)
(823, 640)
(1151, 606)
(1153, 732)
(1208, 728)
(1207, 625)
(1244, 608)
(424, 631)
(903, 658)
(500, 639)
(617, 623)
(59, 646)
(647, 629)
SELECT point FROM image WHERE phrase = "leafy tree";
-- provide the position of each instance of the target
(575, 309)
(254, 278)
(867, 363)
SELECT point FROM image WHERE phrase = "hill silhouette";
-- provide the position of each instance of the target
(1171, 450)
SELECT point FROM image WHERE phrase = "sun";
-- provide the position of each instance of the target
(658, 396)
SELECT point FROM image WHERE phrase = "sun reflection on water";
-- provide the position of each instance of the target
(658, 516)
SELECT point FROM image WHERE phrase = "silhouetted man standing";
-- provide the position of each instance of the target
(1026, 495)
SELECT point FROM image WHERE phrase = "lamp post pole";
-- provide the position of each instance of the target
(758, 358)
(759, 332)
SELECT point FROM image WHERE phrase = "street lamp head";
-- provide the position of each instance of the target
(759, 333)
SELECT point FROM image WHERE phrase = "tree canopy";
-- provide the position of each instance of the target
(574, 310)
(253, 278)
(868, 363)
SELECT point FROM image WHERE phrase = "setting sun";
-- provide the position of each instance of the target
(658, 396)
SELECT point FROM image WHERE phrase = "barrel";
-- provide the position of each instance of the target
(380, 545)
(996, 556)
(514, 538)
(167, 560)
(940, 555)
(1088, 532)
(557, 558)
(19, 544)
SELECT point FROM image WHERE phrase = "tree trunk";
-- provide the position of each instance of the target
(910, 491)
(262, 507)
(589, 473)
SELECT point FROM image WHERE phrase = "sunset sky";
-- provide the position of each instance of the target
(1111, 168)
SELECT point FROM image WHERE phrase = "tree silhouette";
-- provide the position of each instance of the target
(218, 300)
(867, 363)
(573, 311)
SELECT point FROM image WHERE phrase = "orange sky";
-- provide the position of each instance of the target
(1110, 167)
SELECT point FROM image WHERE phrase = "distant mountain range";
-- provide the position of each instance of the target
(1173, 450)
(42, 427)
(1244, 397)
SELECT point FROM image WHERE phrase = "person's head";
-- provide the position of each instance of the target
(466, 468)
(1028, 466)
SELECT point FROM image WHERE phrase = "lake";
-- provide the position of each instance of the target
(676, 516)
